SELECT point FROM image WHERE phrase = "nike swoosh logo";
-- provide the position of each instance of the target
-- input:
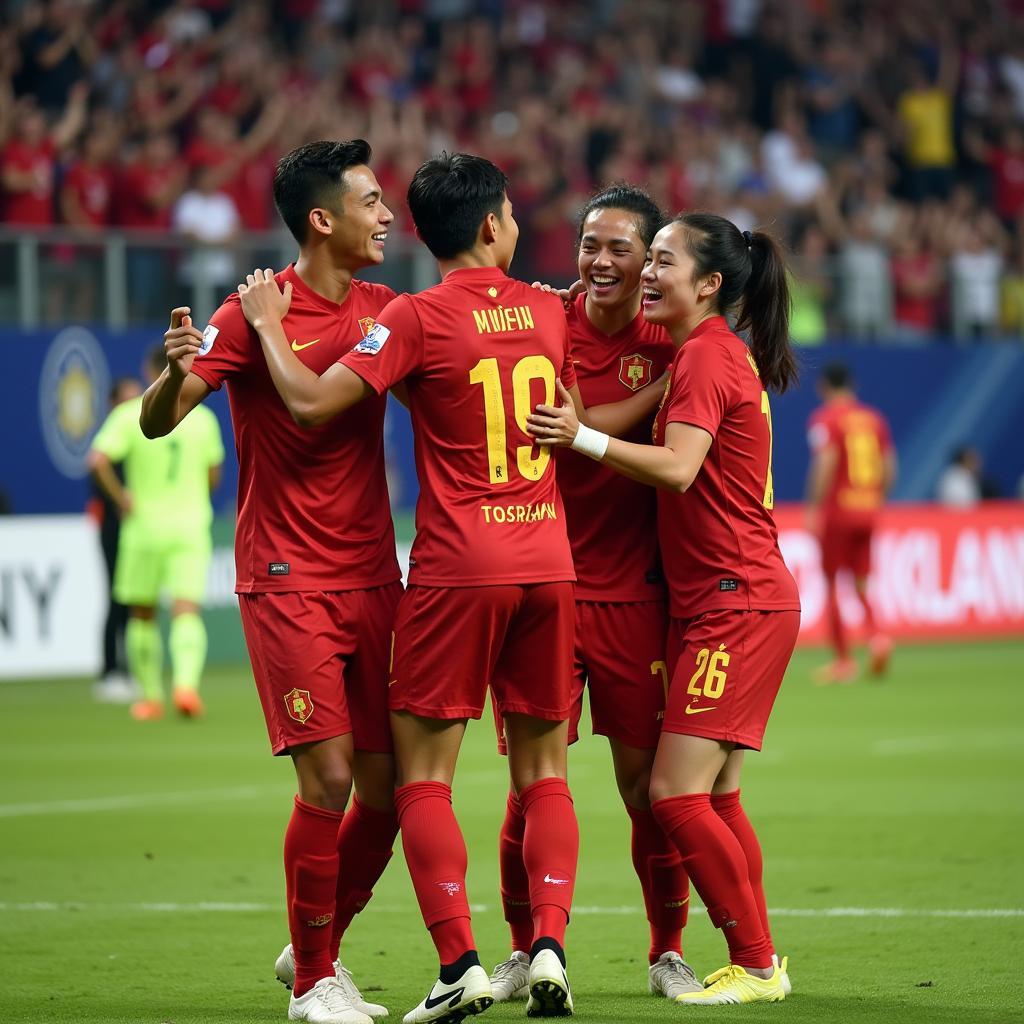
(296, 347)
(697, 711)
(556, 881)
(451, 998)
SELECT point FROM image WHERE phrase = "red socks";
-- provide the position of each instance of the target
(714, 860)
(311, 878)
(663, 880)
(515, 886)
(551, 846)
(436, 854)
(365, 842)
(728, 807)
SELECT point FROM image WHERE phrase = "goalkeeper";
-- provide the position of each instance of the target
(165, 541)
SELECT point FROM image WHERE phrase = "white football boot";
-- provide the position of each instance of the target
(549, 987)
(284, 968)
(511, 978)
(325, 1003)
(670, 976)
(449, 1004)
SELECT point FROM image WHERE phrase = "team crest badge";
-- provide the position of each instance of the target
(299, 704)
(366, 324)
(635, 371)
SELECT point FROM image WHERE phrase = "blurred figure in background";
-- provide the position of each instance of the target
(963, 482)
(853, 466)
(165, 541)
(115, 686)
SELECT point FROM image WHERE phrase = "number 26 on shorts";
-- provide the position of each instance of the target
(709, 680)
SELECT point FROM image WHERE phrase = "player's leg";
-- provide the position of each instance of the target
(187, 567)
(536, 707)
(434, 687)
(834, 557)
(144, 650)
(879, 643)
(625, 647)
(299, 669)
(510, 978)
(137, 577)
(725, 800)
(732, 690)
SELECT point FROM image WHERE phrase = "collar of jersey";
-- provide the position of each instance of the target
(713, 323)
(477, 274)
(622, 334)
(289, 274)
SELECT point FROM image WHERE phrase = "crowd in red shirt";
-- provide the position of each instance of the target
(768, 112)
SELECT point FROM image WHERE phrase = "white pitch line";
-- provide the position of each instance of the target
(133, 801)
(480, 908)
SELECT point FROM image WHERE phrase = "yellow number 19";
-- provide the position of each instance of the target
(528, 369)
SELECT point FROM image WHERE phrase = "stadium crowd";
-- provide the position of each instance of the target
(884, 143)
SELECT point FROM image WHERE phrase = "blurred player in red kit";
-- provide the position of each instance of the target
(490, 598)
(853, 466)
(316, 572)
(734, 607)
(621, 603)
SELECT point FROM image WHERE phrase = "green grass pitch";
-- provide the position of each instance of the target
(140, 876)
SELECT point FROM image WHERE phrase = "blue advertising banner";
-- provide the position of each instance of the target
(937, 398)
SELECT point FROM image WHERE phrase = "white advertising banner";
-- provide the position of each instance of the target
(52, 596)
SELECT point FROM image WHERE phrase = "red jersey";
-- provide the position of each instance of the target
(612, 520)
(313, 509)
(862, 440)
(93, 188)
(718, 541)
(35, 205)
(478, 351)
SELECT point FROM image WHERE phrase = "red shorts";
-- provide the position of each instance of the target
(727, 667)
(620, 658)
(320, 662)
(451, 642)
(846, 545)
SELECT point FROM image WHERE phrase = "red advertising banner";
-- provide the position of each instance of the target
(936, 572)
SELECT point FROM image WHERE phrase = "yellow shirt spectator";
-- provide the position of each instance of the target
(927, 118)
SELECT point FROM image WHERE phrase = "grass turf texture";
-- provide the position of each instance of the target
(902, 795)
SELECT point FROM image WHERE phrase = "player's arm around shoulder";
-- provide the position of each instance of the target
(177, 391)
(311, 399)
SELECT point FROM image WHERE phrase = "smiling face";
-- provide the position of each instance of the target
(611, 257)
(673, 292)
(359, 226)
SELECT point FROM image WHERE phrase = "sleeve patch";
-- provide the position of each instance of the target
(209, 337)
(374, 341)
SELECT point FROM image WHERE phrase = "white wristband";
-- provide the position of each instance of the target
(590, 442)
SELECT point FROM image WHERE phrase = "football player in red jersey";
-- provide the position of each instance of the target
(734, 605)
(490, 598)
(316, 572)
(621, 604)
(853, 466)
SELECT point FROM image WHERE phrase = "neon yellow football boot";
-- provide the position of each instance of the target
(733, 984)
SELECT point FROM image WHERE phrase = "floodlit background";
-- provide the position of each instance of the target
(883, 142)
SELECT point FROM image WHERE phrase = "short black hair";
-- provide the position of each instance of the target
(311, 176)
(837, 375)
(449, 197)
(647, 215)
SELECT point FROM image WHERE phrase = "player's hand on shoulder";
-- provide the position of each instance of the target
(262, 299)
(181, 343)
(567, 295)
(552, 425)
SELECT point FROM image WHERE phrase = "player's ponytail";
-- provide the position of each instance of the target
(765, 313)
(753, 285)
